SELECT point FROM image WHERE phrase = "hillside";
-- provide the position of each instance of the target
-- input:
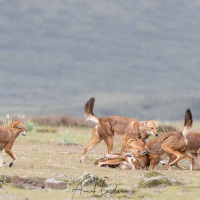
(138, 58)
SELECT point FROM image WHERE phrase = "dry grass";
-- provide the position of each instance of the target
(43, 155)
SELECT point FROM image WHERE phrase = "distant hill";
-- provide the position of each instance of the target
(138, 58)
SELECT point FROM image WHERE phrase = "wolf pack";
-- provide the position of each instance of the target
(137, 150)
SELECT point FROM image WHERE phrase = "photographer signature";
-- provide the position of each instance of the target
(97, 189)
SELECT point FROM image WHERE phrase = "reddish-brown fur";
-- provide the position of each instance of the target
(193, 142)
(193, 147)
(172, 143)
(7, 138)
(135, 161)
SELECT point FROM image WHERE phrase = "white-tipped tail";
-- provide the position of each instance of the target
(89, 115)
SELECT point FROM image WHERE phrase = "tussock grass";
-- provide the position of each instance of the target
(69, 135)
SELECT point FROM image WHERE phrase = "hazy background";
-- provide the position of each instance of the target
(139, 58)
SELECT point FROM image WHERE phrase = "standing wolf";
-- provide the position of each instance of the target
(124, 127)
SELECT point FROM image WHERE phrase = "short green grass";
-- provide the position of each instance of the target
(47, 155)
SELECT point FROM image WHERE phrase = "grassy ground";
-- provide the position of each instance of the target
(44, 155)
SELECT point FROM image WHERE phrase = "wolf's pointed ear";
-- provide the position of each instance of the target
(142, 125)
(18, 126)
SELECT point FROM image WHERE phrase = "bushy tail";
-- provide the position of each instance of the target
(89, 115)
(188, 122)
